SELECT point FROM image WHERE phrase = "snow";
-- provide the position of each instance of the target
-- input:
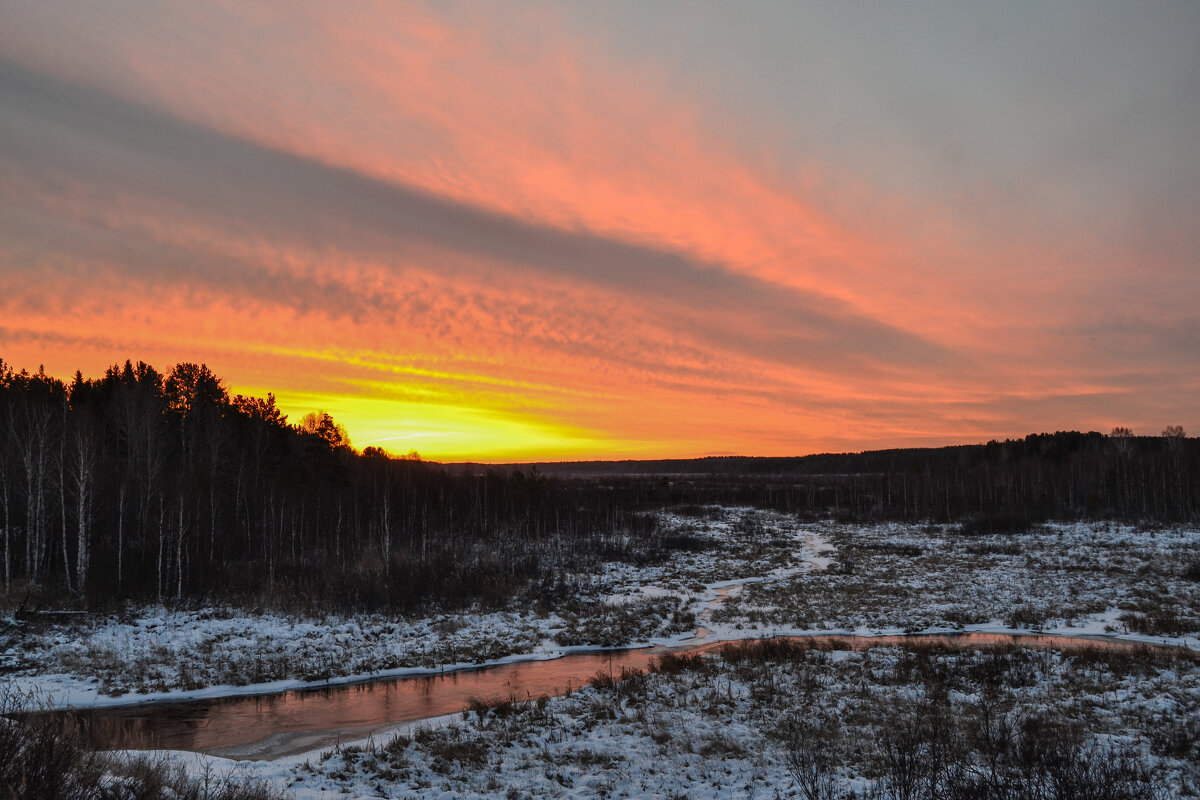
(714, 733)
(160, 654)
(1072, 579)
(761, 574)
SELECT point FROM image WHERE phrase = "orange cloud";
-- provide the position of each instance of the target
(381, 209)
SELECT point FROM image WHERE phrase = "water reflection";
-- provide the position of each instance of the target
(251, 726)
(271, 726)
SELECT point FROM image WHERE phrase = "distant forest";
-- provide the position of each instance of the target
(160, 487)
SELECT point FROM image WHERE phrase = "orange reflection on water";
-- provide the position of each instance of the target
(272, 726)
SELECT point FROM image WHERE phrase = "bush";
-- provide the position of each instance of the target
(933, 752)
(43, 758)
(808, 754)
(675, 663)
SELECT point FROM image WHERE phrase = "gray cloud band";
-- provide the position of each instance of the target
(50, 129)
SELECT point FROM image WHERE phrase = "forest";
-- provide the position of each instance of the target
(151, 486)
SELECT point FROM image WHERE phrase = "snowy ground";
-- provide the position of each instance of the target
(739, 574)
(741, 727)
(1066, 578)
(157, 653)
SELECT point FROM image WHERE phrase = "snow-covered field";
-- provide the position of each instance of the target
(719, 730)
(157, 653)
(743, 573)
(1077, 578)
(750, 726)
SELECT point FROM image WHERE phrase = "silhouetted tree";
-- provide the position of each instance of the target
(1174, 435)
(145, 486)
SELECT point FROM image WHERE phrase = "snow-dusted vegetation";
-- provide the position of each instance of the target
(780, 719)
(1099, 578)
(733, 572)
(764, 721)
(642, 599)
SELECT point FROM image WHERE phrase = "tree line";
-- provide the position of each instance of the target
(156, 487)
(148, 486)
(992, 487)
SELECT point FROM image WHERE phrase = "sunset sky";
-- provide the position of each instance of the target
(524, 231)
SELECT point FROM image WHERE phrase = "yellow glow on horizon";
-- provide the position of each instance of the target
(447, 433)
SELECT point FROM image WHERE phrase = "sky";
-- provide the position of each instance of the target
(557, 231)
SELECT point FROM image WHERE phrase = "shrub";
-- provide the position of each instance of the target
(44, 758)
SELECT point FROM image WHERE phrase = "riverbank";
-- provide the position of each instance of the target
(157, 653)
(779, 718)
(743, 574)
(269, 727)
